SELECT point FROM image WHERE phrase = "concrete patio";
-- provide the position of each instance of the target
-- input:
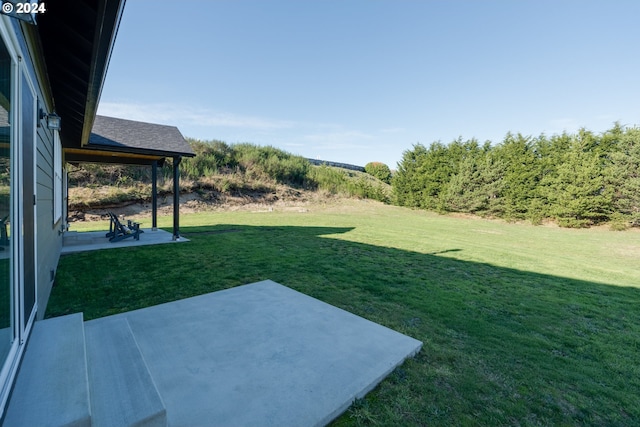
(255, 355)
(80, 241)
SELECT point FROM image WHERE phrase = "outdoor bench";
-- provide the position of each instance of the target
(119, 231)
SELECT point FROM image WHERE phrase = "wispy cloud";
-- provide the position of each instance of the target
(188, 116)
(392, 130)
(606, 117)
(563, 125)
(344, 137)
(329, 141)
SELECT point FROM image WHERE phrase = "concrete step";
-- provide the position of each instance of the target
(52, 387)
(122, 390)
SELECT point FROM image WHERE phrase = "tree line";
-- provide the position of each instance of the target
(577, 180)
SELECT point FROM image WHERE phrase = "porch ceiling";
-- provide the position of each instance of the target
(90, 155)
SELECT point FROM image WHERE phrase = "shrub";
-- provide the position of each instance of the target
(619, 222)
(379, 170)
(273, 163)
(211, 156)
(348, 183)
(232, 168)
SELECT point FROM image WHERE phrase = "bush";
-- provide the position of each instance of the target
(348, 183)
(273, 163)
(619, 222)
(211, 156)
(327, 178)
(379, 170)
(232, 168)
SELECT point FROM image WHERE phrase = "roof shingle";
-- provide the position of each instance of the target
(128, 136)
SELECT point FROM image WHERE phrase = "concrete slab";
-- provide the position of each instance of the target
(52, 387)
(262, 355)
(122, 391)
(81, 241)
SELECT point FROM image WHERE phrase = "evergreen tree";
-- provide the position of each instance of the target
(623, 175)
(577, 179)
(407, 188)
(477, 186)
(444, 163)
(522, 174)
(576, 190)
(436, 170)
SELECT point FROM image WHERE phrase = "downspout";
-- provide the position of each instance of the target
(176, 197)
(65, 214)
(154, 195)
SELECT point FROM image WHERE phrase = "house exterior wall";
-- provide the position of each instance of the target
(28, 83)
(48, 234)
(47, 241)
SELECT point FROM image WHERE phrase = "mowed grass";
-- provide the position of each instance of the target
(521, 325)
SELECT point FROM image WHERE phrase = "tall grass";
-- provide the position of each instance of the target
(236, 168)
(349, 183)
(211, 157)
(272, 163)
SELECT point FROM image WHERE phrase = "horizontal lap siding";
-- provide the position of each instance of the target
(49, 239)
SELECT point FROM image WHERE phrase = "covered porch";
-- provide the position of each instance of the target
(74, 241)
(130, 142)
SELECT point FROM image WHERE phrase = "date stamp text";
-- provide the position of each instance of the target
(26, 7)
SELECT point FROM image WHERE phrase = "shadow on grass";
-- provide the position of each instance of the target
(501, 346)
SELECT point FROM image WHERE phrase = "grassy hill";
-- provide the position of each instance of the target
(221, 175)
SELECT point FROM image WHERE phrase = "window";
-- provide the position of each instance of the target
(9, 181)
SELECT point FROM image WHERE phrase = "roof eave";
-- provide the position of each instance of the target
(106, 37)
(140, 151)
(77, 40)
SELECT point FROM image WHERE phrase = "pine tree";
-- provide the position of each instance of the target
(407, 189)
(576, 190)
(623, 175)
(522, 175)
(477, 186)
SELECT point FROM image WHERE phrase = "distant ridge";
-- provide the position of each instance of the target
(336, 165)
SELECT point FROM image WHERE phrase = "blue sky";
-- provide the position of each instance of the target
(364, 80)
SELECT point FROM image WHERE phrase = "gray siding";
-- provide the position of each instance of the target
(48, 238)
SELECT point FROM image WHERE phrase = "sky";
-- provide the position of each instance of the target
(357, 81)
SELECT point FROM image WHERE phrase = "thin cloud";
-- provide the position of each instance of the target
(392, 130)
(337, 137)
(563, 125)
(188, 116)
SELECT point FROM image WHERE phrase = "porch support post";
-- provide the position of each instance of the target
(176, 197)
(154, 195)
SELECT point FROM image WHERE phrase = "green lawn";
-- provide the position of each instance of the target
(521, 325)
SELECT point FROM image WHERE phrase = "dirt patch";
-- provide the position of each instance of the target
(282, 199)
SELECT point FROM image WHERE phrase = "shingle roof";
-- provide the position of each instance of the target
(128, 136)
